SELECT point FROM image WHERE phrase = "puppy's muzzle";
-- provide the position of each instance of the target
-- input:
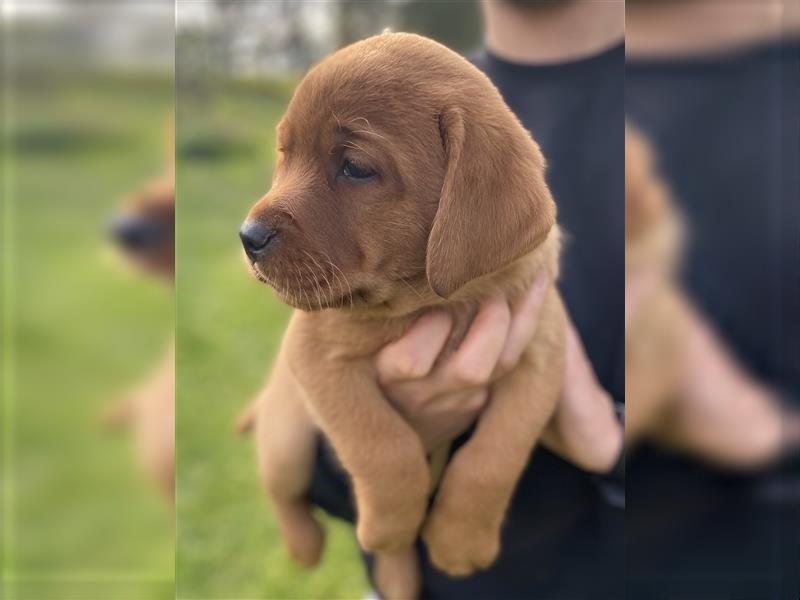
(256, 238)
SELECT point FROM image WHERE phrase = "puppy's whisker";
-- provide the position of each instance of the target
(314, 281)
(362, 119)
(367, 131)
(322, 273)
(317, 286)
(302, 287)
(349, 289)
(296, 295)
(339, 284)
(411, 287)
(355, 146)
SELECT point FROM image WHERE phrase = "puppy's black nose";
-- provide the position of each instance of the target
(134, 232)
(256, 238)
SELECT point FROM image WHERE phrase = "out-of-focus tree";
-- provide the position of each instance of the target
(358, 19)
(454, 23)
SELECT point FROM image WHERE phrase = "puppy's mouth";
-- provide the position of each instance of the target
(309, 290)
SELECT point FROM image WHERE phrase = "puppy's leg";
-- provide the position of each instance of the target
(286, 443)
(379, 450)
(397, 576)
(463, 529)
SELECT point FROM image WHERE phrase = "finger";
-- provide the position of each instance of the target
(637, 288)
(523, 323)
(413, 355)
(578, 367)
(475, 360)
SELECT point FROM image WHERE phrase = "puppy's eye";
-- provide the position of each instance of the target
(353, 170)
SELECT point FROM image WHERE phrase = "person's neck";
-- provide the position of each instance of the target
(703, 27)
(552, 33)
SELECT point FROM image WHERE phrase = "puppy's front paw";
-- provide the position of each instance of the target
(302, 533)
(305, 546)
(458, 542)
(390, 522)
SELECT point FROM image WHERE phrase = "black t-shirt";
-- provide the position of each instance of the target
(727, 134)
(575, 111)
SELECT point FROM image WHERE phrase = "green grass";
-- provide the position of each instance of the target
(79, 522)
(229, 328)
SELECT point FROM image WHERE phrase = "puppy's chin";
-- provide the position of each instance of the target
(308, 301)
(310, 296)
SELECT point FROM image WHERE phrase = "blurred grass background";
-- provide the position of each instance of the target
(79, 519)
(229, 327)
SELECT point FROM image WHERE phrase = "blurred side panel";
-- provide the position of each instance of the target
(87, 98)
(713, 364)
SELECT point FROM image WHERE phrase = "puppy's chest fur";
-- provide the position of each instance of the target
(341, 336)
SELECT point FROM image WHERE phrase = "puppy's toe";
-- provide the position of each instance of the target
(460, 555)
(304, 537)
(306, 547)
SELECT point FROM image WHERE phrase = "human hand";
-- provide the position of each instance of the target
(721, 413)
(584, 429)
(441, 400)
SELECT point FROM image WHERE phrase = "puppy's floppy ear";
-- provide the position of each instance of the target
(495, 205)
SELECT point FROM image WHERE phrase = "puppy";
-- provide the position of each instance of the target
(144, 229)
(403, 183)
(653, 339)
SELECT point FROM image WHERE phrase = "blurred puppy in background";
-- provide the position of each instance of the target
(144, 231)
(719, 415)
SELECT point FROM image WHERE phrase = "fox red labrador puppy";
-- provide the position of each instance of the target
(403, 184)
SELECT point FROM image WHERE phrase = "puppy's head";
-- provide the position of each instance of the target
(399, 166)
(144, 228)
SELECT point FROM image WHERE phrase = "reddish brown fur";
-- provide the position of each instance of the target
(457, 212)
(155, 203)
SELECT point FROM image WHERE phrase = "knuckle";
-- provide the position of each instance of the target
(507, 362)
(412, 368)
(477, 401)
(415, 401)
(401, 366)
